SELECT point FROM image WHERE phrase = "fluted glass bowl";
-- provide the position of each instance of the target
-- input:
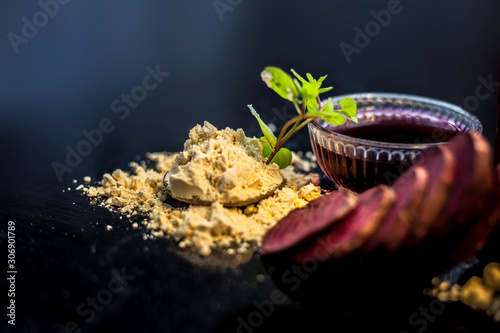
(358, 163)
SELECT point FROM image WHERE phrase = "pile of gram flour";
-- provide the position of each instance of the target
(203, 228)
(221, 165)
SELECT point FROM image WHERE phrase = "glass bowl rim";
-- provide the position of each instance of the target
(413, 98)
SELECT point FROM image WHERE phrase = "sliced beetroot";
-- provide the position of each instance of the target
(483, 225)
(496, 213)
(440, 165)
(473, 180)
(352, 231)
(303, 223)
(484, 178)
(462, 148)
(409, 189)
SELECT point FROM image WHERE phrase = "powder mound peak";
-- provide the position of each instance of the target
(221, 165)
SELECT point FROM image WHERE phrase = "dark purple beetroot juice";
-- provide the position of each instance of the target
(364, 164)
(399, 131)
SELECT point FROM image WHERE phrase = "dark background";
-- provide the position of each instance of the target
(64, 80)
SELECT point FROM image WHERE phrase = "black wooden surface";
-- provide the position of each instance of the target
(65, 255)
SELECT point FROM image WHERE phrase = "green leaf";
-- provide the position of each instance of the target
(266, 148)
(298, 76)
(333, 117)
(355, 119)
(265, 129)
(297, 84)
(324, 90)
(320, 81)
(307, 90)
(310, 89)
(312, 105)
(348, 106)
(328, 107)
(283, 158)
(280, 82)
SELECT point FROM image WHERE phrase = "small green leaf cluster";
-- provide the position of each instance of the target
(304, 94)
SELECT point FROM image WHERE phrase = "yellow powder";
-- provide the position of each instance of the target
(141, 191)
(475, 294)
(479, 293)
(221, 165)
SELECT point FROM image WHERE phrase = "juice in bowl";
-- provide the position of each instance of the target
(392, 131)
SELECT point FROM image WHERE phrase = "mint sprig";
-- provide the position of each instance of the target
(304, 94)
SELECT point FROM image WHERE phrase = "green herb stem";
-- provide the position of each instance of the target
(291, 130)
(289, 123)
(319, 103)
(297, 107)
(297, 129)
(282, 139)
(303, 108)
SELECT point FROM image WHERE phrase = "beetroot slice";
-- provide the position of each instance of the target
(303, 223)
(495, 220)
(472, 181)
(440, 165)
(483, 226)
(462, 148)
(409, 189)
(354, 230)
(485, 177)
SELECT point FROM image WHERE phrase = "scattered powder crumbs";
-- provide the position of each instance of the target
(479, 293)
(203, 229)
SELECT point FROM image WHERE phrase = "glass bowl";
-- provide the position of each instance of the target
(358, 162)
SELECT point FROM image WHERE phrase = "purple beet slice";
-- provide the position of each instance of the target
(483, 226)
(472, 181)
(303, 223)
(440, 165)
(495, 220)
(409, 189)
(352, 231)
(484, 178)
